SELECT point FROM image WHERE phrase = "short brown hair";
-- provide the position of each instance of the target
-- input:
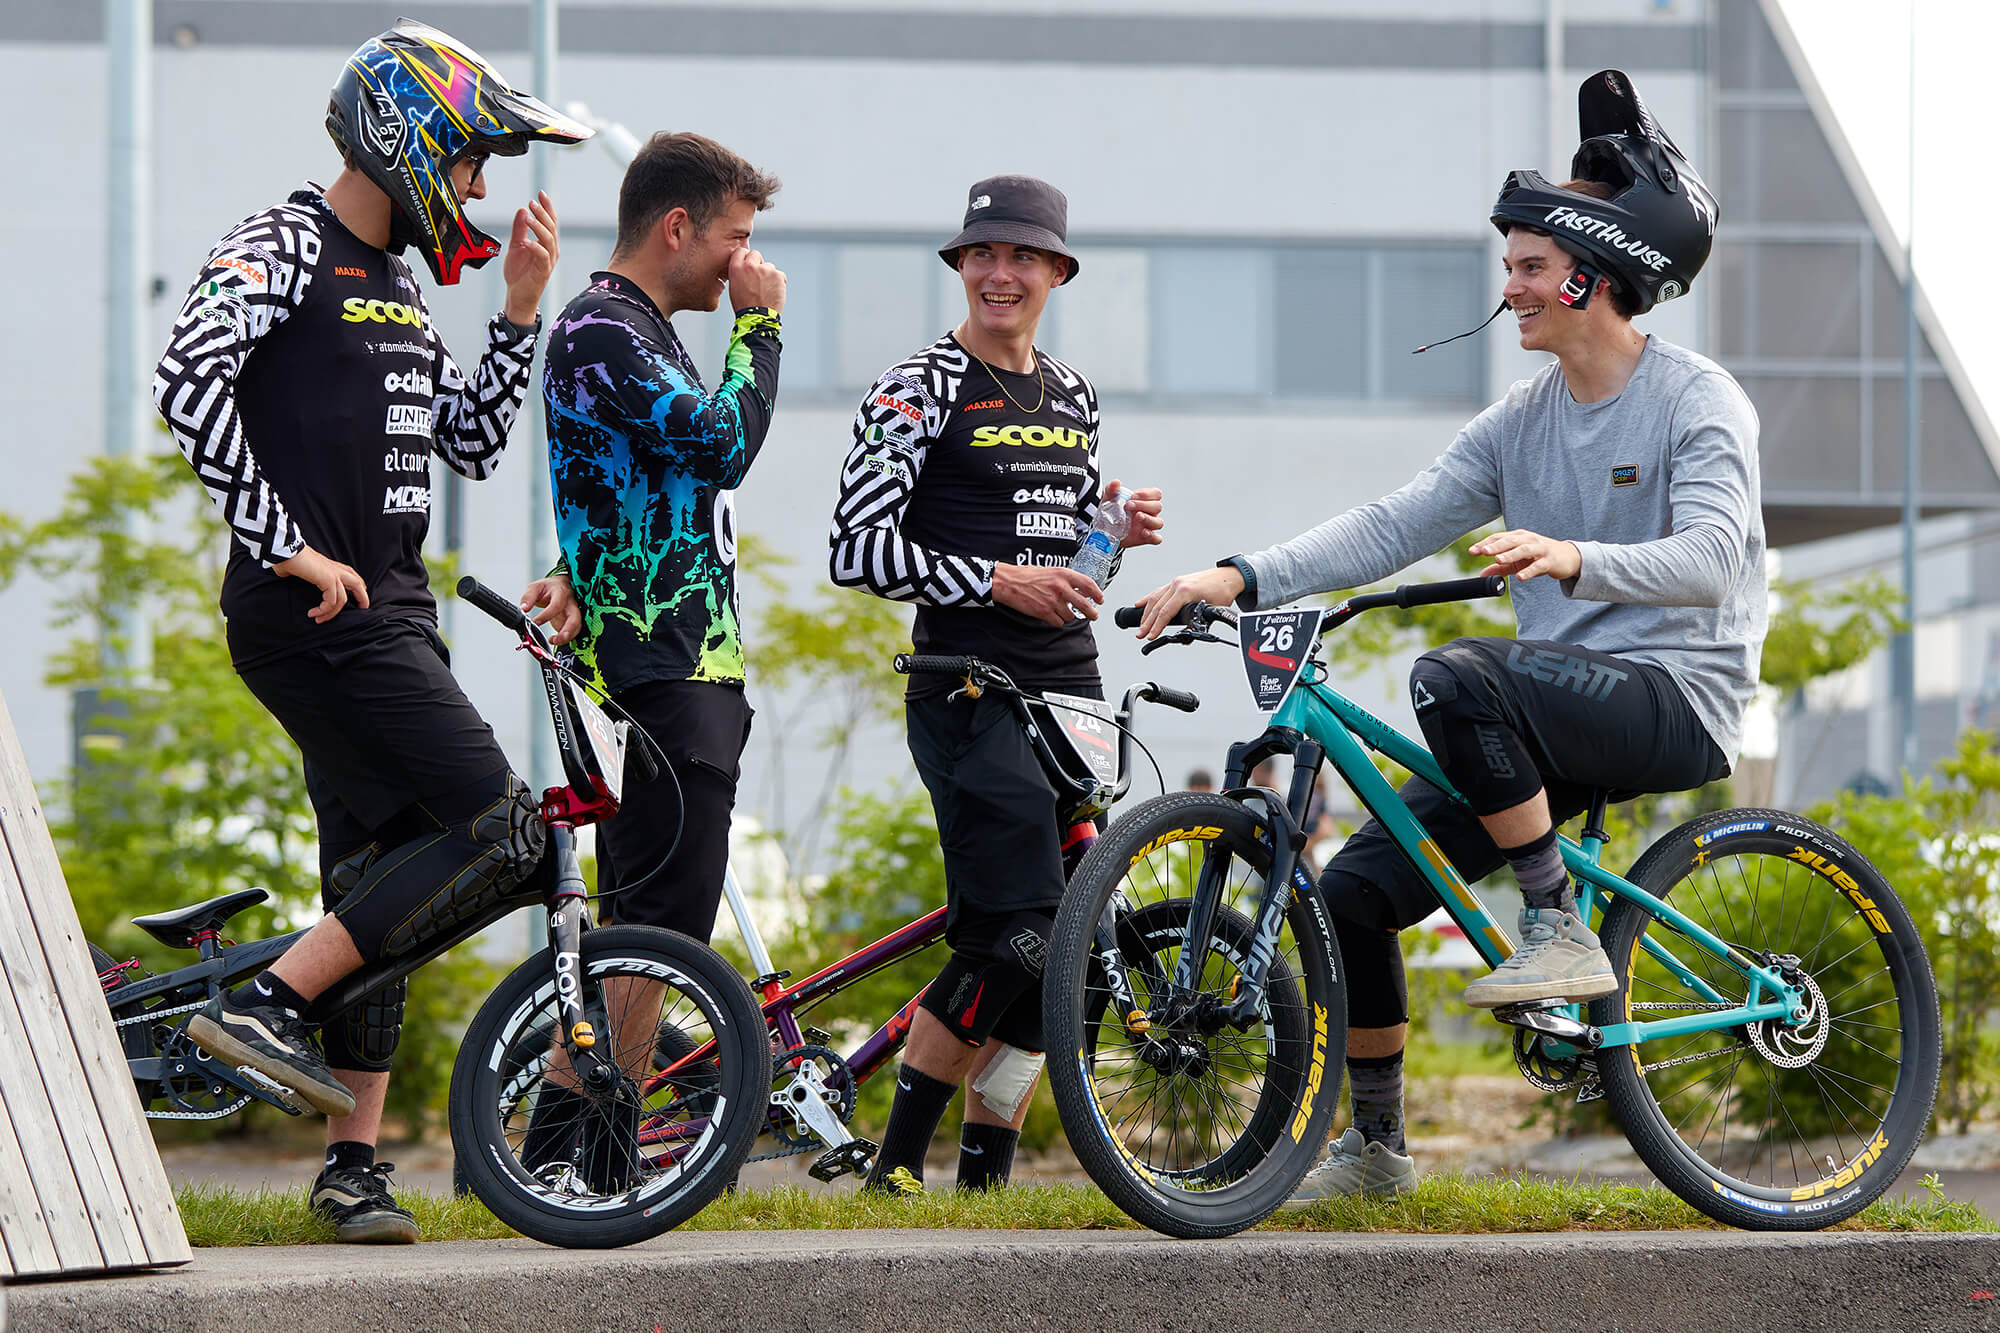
(1623, 300)
(683, 170)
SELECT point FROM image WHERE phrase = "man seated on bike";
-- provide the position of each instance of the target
(1626, 474)
(307, 386)
(972, 475)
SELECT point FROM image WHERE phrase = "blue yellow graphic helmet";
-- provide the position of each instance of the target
(408, 105)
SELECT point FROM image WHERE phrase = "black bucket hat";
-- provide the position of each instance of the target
(1019, 210)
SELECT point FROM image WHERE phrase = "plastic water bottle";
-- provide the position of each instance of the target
(1100, 545)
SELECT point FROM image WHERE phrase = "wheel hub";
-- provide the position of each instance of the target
(1178, 1054)
(1795, 1042)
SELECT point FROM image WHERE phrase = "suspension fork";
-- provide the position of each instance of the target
(567, 909)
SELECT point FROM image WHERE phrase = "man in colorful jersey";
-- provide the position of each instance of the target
(645, 464)
(1626, 470)
(308, 388)
(972, 475)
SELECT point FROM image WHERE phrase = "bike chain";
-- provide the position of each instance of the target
(154, 1016)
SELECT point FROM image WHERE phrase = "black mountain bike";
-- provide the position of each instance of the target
(587, 1013)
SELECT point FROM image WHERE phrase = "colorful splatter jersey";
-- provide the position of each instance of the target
(645, 463)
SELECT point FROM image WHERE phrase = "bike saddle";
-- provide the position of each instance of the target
(177, 929)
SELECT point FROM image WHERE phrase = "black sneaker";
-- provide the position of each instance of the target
(272, 1040)
(358, 1203)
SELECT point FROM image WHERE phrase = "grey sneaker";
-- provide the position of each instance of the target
(1559, 959)
(1353, 1165)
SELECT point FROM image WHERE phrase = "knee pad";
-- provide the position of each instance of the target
(972, 995)
(1474, 744)
(420, 891)
(364, 1035)
(1377, 993)
(346, 874)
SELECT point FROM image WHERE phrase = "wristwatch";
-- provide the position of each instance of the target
(1247, 599)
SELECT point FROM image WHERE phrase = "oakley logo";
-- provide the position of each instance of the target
(355, 310)
(1625, 475)
(1607, 233)
(1592, 680)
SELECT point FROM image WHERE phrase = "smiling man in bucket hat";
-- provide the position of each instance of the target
(972, 475)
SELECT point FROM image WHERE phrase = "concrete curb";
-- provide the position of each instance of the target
(1016, 1281)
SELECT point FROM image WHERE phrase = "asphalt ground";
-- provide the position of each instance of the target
(1016, 1282)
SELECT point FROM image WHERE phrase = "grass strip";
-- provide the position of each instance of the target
(1442, 1204)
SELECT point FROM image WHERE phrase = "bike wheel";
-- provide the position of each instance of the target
(1772, 1126)
(596, 1171)
(1194, 1128)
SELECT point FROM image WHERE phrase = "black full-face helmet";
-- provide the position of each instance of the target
(412, 102)
(1653, 234)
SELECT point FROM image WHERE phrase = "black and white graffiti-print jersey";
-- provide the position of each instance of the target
(307, 388)
(950, 473)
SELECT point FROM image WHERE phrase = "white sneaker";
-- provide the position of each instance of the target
(1560, 958)
(1354, 1165)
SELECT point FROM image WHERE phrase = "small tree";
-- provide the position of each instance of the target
(191, 789)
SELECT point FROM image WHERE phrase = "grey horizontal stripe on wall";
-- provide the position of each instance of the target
(1293, 43)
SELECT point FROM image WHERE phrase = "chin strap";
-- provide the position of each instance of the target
(1468, 333)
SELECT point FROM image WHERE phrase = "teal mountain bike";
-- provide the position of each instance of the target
(1771, 1052)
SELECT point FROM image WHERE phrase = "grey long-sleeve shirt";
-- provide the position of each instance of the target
(1657, 487)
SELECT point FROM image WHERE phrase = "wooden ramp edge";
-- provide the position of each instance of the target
(81, 1185)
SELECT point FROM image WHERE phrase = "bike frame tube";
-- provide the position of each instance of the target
(1346, 731)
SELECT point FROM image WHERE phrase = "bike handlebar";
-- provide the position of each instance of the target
(493, 604)
(1185, 701)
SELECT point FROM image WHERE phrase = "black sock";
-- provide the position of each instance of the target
(985, 1155)
(553, 1126)
(350, 1155)
(1375, 1084)
(266, 988)
(913, 1121)
(1538, 866)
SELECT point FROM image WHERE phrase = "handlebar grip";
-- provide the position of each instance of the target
(925, 664)
(1183, 700)
(1451, 590)
(493, 604)
(1128, 617)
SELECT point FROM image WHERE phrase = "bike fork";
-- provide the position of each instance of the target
(567, 906)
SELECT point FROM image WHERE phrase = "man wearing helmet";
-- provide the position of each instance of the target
(1626, 474)
(307, 387)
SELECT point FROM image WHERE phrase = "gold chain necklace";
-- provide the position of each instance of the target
(1040, 380)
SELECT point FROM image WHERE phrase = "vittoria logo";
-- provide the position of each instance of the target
(408, 419)
(1608, 233)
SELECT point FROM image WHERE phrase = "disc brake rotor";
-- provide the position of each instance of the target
(1795, 1045)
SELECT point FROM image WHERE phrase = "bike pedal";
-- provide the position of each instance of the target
(855, 1155)
(275, 1092)
(1592, 1090)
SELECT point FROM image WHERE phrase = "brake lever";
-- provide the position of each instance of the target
(1180, 636)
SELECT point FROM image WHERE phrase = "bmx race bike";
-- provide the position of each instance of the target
(566, 1017)
(1771, 1052)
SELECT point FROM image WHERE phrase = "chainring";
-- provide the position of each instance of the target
(836, 1073)
(1550, 1073)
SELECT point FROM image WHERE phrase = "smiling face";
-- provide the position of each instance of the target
(1007, 285)
(699, 272)
(1536, 269)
